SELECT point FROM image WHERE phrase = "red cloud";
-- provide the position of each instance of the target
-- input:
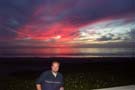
(39, 27)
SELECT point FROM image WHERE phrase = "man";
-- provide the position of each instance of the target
(51, 79)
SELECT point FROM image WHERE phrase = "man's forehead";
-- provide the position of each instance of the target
(55, 63)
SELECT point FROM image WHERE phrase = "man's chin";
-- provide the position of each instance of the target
(55, 71)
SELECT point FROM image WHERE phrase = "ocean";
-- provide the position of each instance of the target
(42, 52)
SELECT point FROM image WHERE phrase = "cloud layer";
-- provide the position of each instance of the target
(109, 30)
(62, 19)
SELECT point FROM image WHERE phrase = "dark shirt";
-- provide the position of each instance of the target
(49, 82)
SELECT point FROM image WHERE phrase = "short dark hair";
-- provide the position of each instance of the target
(55, 61)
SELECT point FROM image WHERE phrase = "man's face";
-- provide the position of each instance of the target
(55, 67)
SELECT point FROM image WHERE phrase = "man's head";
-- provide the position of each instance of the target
(55, 66)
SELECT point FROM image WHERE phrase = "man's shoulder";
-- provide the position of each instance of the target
(47, 71)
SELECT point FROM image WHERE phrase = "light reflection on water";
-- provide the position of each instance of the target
(67, 52)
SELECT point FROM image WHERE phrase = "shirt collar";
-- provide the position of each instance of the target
(54, 74)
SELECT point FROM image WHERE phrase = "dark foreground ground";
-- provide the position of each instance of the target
(79, 73)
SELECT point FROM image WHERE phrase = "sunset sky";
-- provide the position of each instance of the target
(101, 23)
